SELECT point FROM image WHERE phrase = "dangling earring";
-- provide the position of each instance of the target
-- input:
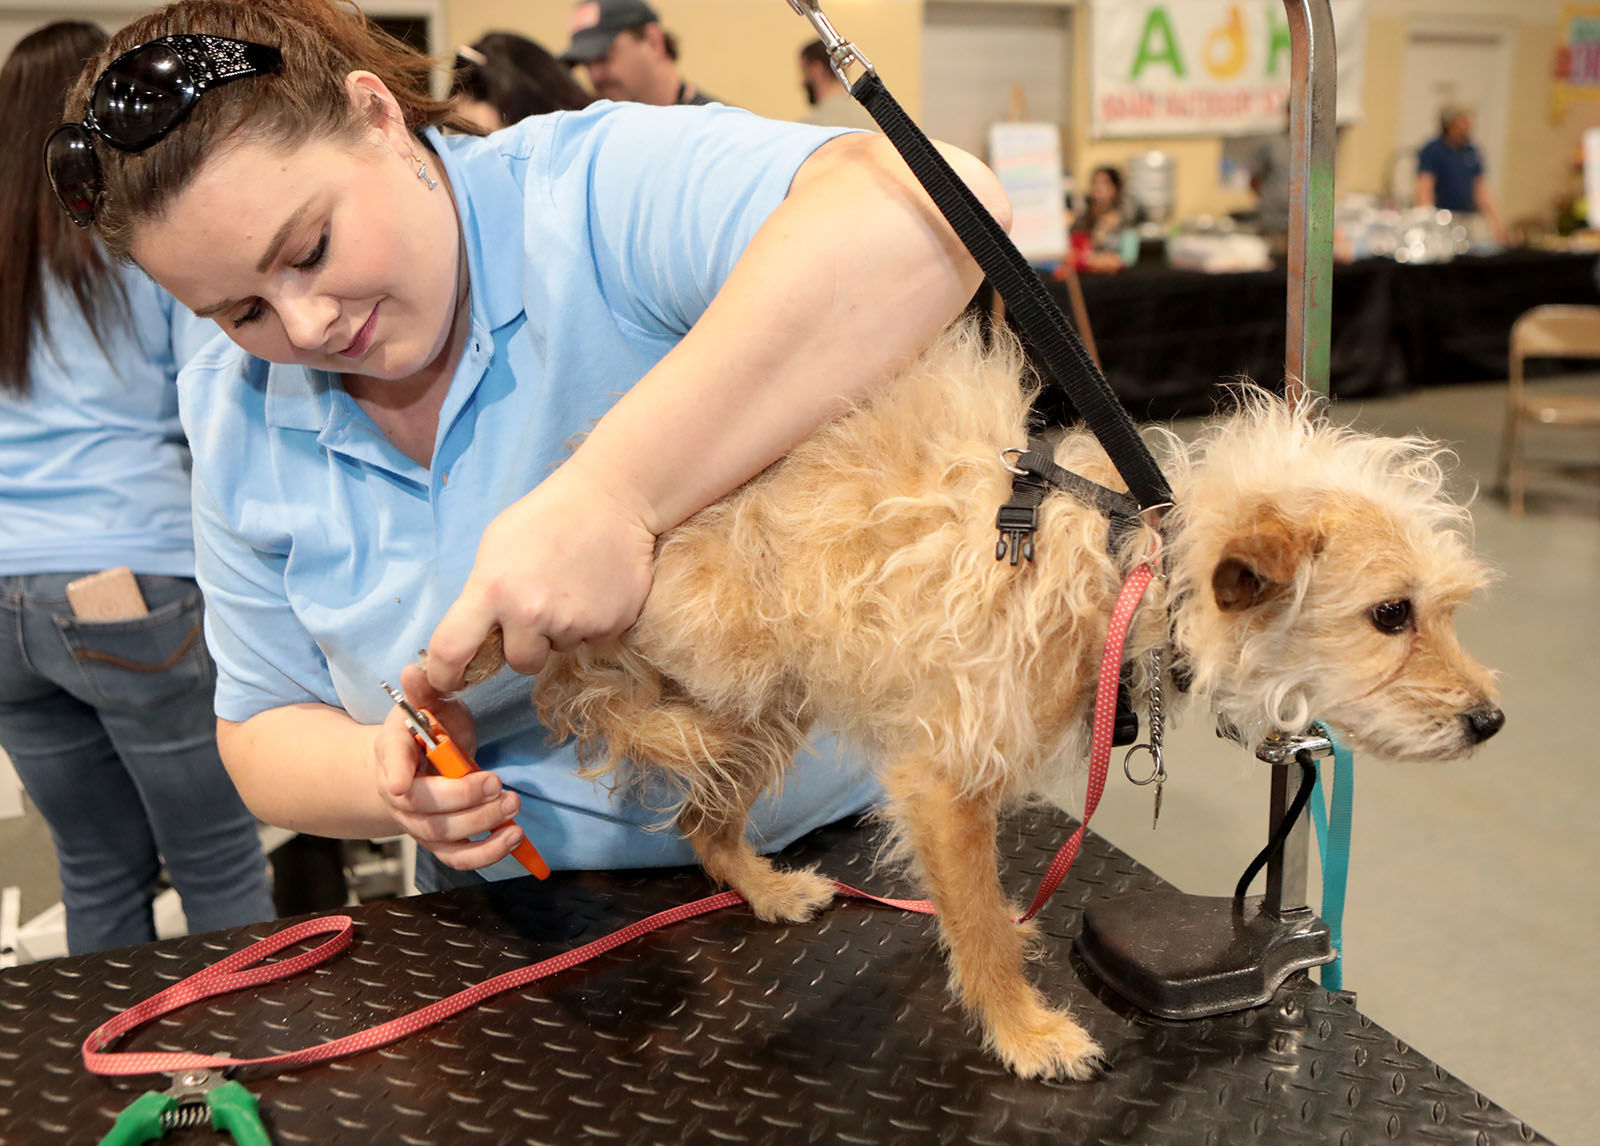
(422, 172)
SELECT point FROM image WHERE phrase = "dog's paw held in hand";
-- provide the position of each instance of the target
(488, 660)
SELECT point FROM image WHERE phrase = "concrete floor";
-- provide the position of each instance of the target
(1471, 924)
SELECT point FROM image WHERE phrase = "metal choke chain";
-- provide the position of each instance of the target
(1158, 771)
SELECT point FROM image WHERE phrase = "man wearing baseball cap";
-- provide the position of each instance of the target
(628, 54)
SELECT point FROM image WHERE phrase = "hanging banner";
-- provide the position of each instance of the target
(1207, 67)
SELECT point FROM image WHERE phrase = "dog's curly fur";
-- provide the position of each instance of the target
(855, 583)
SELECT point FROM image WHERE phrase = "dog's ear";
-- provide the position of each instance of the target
(1260, 562)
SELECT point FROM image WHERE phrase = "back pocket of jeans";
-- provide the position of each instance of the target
(143, 661)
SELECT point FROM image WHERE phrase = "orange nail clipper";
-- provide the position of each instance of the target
(450, 761)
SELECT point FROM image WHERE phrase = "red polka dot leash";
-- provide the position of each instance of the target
(249, 967)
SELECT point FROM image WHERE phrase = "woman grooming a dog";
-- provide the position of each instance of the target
(423, 324)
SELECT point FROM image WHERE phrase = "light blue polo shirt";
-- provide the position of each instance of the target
(594, 240)
(93, 467)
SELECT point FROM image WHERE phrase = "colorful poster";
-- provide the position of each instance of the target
(1578, 58)
(1206, 67)
(1027, 159)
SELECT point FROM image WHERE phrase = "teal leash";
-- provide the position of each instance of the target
(1332, 818)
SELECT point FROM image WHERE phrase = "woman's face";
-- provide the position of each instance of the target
(330, 255)
(1101, 189)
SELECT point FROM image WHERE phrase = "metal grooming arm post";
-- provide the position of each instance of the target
(1311, 150)
(1187, 956)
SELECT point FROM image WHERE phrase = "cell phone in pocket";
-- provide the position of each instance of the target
(110, 595)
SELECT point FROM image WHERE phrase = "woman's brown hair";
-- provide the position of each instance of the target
(37, 240)
(322, 41)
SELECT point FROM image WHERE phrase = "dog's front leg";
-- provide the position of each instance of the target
(953, 835)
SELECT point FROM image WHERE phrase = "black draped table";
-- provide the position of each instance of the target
(1167, 337)
(724, 1030)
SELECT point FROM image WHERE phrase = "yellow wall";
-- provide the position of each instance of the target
(1368, 145)
(744, 51)
(1541, 148)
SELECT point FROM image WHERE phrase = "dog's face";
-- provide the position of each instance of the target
(1341, 608)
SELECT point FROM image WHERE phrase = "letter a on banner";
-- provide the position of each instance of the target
(1157, 22)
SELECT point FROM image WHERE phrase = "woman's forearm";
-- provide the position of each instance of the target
(307, 767)
(846, 282)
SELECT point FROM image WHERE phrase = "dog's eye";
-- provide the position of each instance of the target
(1391, 616)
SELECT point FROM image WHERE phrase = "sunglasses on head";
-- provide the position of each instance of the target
(141, 96)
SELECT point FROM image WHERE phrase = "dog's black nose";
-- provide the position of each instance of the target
(1483, 723)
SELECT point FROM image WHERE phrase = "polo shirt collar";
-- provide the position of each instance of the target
(489, 202)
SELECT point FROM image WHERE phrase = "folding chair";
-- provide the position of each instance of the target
(1545, 332)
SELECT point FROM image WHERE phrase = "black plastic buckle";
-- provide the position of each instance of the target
(1017, 522)
(1018, 518)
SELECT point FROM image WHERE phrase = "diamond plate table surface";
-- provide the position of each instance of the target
(722, 1030)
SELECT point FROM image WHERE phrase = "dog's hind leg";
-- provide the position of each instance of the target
(952, 833)
(627, 715)
(716, 815)
(718, 836)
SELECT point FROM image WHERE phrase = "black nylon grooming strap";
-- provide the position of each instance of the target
(1035, 474)
(1040, 319)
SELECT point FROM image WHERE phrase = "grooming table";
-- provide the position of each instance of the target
(722, 1030)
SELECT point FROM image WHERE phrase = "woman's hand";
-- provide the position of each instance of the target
(568, 563)
(440, 813)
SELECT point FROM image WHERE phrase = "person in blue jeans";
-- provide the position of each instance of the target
(421, 325)
(109, 724)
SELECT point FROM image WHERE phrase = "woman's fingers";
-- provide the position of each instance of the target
(564, 564)
(439, 810)
(470, 855)
(443, 813)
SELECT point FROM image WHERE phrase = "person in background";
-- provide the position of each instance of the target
(829, 103)
(1096, 234)
(421, 326)
(108, 722)
(1269, 179)
(627, 54)
(1450, 172)
(501, 78)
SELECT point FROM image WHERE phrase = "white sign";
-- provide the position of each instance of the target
(1027, 158)
(1207, 67)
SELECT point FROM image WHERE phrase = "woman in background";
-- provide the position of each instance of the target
(108, 722)
(1097, 231)
(502, 78)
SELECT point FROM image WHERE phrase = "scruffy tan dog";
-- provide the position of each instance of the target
(1311, 573)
